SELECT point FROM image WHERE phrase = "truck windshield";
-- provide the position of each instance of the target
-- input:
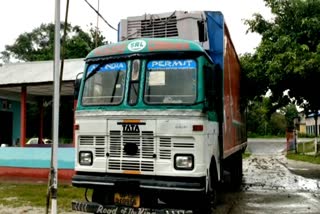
(171, 82)
(104, 84)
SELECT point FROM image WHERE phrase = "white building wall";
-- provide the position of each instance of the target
(310, 125)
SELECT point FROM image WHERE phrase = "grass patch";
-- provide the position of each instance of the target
(15, 195)
(305, 158)
(305, 147)
(254, 135)
(246, 155)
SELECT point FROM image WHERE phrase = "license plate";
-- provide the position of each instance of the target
(127, 199)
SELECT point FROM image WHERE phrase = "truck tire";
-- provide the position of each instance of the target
(208, 201)
(236, 171)
(204, 206)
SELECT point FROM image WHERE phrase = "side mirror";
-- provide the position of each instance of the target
(202, 30)
(77, 84)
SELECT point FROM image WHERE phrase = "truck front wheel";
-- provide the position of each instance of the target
(208, 201)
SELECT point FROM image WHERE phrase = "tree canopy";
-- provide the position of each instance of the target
(38, 44)
(288, 57)
(262, 122)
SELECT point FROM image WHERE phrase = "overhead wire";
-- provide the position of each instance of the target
(101, 16)
(97, 27)
(63, 44)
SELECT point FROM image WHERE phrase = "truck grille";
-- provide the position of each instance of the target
(141, 160)
(165, 148)
(86, 140)
(168, 143)
(153, 28)
(99, 143)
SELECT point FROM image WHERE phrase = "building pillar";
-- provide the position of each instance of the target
(41, 112)
(23, 116)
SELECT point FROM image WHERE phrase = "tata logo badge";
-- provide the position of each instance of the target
(130, 128)
(137, 45)
(131, 125)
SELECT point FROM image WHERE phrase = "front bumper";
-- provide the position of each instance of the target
(91, 207)
(160, 183)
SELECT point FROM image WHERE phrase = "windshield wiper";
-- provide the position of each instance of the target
(94, 71)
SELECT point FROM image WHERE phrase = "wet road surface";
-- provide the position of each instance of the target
(272, 184)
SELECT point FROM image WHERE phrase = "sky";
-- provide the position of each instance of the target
(19, 16)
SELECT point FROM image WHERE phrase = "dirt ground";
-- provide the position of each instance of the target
(28, 210)
(271, 184)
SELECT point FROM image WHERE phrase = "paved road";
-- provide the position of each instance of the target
(271, 184)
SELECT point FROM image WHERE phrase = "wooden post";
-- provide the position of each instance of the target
(23, 116)
(41, 112)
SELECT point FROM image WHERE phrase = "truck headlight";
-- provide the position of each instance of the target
(85, 158)
(183, 162)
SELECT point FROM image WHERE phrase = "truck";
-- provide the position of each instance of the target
(160, 120)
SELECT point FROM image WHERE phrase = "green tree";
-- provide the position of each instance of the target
(258, 117)
(255, 83)
(290, 112)
(278, 124)
(38, 44)
(288, 56)
(262, 120)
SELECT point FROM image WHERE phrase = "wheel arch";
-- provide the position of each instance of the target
(213, 169)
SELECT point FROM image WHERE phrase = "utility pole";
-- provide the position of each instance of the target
(56, 103)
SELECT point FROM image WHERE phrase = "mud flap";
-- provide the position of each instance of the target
(92, 207)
